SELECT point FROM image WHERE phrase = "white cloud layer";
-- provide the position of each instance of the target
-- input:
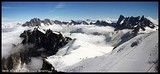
(10, 36)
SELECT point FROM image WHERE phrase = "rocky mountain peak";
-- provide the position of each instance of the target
(133, 22)
(35, 44)
(121, 17)
(32, 22)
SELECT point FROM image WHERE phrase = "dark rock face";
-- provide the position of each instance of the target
(121, 17)
(11, 62)
(135, 23)
(74, 23)
(85, 23)
(58, 22)
(37, 22)
(134, 44)
(47, 66)
(50, 41)
(33, 22)
(126, 37)
(101, 23)
(47, 22)
(36, 44)
(78, 22)
(65, 23)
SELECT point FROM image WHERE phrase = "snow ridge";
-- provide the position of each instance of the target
(124, 58)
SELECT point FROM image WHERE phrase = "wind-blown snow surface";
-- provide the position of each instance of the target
(140, 58)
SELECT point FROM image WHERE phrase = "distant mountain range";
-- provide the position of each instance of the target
(48, 49)
(38, 22)
(135, 23)
(122, 23)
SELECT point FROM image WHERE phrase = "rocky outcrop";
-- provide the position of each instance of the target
(78, 22)
(47, 66)
(11, 62)
(121, 17)
(74, 23)
(44, 44)
(33, 22)
(125, 37)
(36, 44)
(38, 22)
(57, 22)
(85, 23)
(65, 23)
(101, 23)
(133, 23)
(47, 22)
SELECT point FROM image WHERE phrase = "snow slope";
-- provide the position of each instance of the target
(76, 51)
(141, 58)
(154, 21)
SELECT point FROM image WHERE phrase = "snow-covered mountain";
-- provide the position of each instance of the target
(135, 23)
(139, 54)
(81, 46)
(39, 22)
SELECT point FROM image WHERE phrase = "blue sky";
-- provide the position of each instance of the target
(24, 11)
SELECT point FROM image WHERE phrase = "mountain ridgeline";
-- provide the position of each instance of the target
(122, 23)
